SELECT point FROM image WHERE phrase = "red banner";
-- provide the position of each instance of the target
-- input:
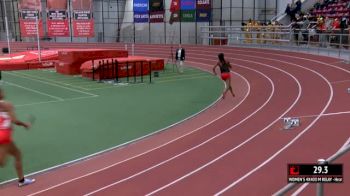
(83, 21)
(175, 6)
(57, 18)
(30, 18)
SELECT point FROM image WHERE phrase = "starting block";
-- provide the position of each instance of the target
(290, 122)
(349, 90)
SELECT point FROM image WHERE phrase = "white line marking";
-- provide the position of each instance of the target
(272, 53)
(326, 81)
(50, 80)
(35, 91)
(297, 192)
(314, 72)
(325, 114)
(340, 81)
(198, 145)
(345, 144)
(49, 83)
(46, 102)
(292, 141)
(244, 142)
(141, 154)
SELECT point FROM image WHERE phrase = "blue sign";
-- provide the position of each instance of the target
(203, 15)
(140, 5)
(141, 17)
(188, 4)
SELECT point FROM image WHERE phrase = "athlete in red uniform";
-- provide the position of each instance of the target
(225, 67)
(7, 146)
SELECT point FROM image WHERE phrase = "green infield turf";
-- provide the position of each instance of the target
(76, 117)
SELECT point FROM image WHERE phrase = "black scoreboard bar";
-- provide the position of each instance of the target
(314, 173)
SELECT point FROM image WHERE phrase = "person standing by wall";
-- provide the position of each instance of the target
(180, 58)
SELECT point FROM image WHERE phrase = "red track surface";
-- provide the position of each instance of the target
(237, 146)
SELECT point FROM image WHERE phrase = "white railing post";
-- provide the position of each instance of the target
(319, 186)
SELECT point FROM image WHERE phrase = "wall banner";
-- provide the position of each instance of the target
(57, 18)
(83, 20)
(29, 15)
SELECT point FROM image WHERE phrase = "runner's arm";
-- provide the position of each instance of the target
(14, 119)
(217, 64)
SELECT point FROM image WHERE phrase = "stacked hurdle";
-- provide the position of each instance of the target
(290, 122)
(105, 67)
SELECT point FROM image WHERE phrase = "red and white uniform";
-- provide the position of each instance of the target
(5, 128)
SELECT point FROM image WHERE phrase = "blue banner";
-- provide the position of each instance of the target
(140, 5)
(141, 17)
(188, 4)
(203, 15)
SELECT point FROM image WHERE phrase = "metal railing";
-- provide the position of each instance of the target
(329, 42)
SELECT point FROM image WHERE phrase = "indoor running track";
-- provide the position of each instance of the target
(237, 146)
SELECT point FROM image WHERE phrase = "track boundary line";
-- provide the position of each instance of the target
(35, 91)
(293, 140)
(156, 82)
(323, 115)
(58, 101)
(198, 145)
(300, 58)
(141, 154)
(340, 81)
(244, 142)
(49, 80)
(52, 84)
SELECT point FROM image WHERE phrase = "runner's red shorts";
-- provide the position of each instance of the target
(5, 136)
(225, 75)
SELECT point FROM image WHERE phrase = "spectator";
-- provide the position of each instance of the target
(288, 10)
(305, 28)
(317, 5)
(298, 6)
(180, 58)
(296, 30)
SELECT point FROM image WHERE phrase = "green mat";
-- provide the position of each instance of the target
(77, 117)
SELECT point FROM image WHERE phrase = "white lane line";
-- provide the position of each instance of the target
(297, 192)
(51, 80)
(270, 53)
(35, 91)
(49, 83)
(340, 81)
(325, 114)
(146, 152)
(292, 141)
(198, 145)
(46, 102)
(345, 144)
(244, 142)
(288, 63)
